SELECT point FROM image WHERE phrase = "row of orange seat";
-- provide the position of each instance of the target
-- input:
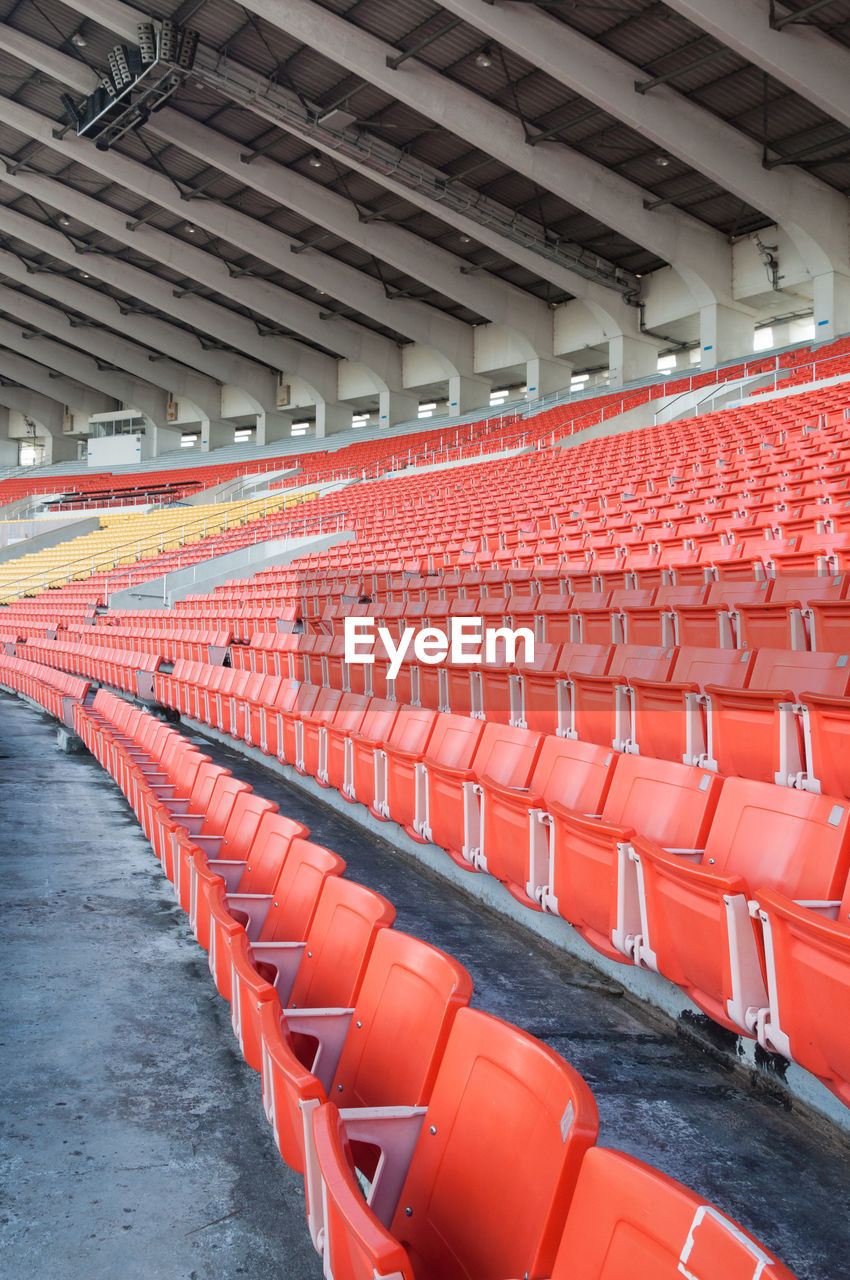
(475, 1140)
(53, 690)
(673, 871)
(771, 714)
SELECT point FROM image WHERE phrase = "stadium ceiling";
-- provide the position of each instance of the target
(347, 177)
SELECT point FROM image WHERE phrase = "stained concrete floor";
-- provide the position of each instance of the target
(111, 1012)
(132, 1138)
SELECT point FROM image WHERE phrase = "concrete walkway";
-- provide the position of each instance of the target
(134, 1133)
(132, 1137)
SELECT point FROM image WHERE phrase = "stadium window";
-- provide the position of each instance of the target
(189, 439)
(30, 454)
(301, 428)
(243, 435)
(763, 339)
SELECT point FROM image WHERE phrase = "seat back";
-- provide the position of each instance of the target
(506, 754)
(269, 848)
(206, 777)
(296, 891)
(379, 719)
(454, 741)
(647, 661)
(578, 774)
(339, 943)
(702, 666)
(780, 838)
(498, 1157)
(413, 728)
(242, 825)
(628, 1221)
(670, 803)
(402, 1019)
(794, 670)
(219, 807)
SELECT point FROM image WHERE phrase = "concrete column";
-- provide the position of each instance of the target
(60, 448)
(396, 406)
(273, 425)
(832, 306)
(331, 419)
(162, 438)
(467, 394)
(545, 377)
(630, 359)
(8, 448)
(215, 434)
(725, 334)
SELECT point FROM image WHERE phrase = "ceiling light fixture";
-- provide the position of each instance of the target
(662, 161)
(64, 222)
(484, 59)
(466, 239)
(85, 275)
(315, 162)
(78, 40)
(189, 229)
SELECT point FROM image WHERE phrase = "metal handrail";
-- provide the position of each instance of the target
(99, 561)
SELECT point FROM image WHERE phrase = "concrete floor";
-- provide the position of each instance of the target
(132, 1138)
(161, 1129)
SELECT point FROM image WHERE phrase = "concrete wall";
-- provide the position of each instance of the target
(24, 537)
(200, 578)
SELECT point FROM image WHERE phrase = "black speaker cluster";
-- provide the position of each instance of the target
(140, 79)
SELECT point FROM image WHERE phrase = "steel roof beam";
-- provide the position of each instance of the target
(319, 371)
(498, 301)
(813, 215)
(203, 392)
(699, 254)
(800, 56)
(57, 358)
(282, 109)
(151, 331)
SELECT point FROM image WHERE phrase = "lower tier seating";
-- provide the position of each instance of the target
(475, 1143)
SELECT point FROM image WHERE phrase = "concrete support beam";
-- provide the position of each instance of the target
(273, 425)
(317, 370)
(53, 386)
(49, 413)
(353, 288)
(350, 340)
(802, 57)
(203, 392)
(832, 305)
(8, 448)
(129, 391)
(631, 359)
(331, 419)
(215, 434)
(282, 108)
(725, 334)
(813, 214)
(395, 407)
(223, 366)
(500, 302)
(699, 254)
(545, 377)
(467, 394)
